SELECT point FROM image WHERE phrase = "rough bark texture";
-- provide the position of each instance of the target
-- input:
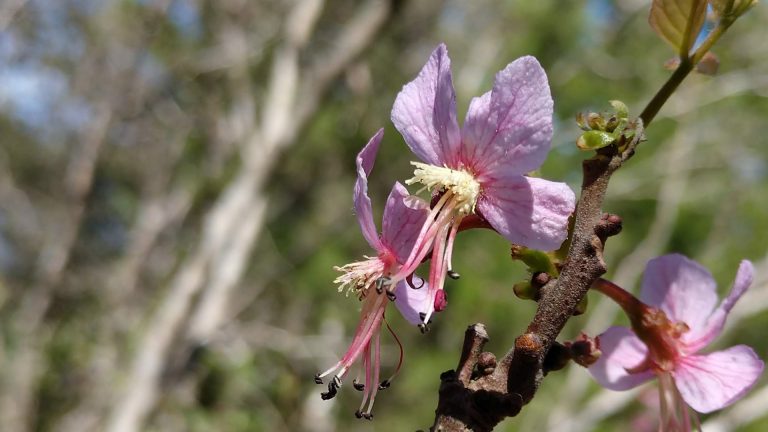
(478, 401)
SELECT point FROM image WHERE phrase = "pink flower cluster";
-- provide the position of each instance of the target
(676, 317)
(478, 171)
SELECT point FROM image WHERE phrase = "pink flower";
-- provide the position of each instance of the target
(481, 168)
(676, 319)
(403, 217)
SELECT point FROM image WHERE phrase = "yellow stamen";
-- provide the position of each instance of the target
(462, 184)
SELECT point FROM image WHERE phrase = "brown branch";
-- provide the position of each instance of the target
(522, 368)
(475, 397)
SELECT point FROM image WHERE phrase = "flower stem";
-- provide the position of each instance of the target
(631, 305)
(686, 66)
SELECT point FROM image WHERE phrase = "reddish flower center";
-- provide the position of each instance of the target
(662, 336)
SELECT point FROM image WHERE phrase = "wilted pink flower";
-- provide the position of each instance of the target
(481, 168)
(676, 318)
(403, 217)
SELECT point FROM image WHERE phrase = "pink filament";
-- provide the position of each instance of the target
(402, 352)
(376, 367)
(438, 216)
(367, 367)
(362, 337)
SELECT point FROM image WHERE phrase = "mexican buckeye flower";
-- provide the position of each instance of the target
(480, 169)
(675, 318)
(403, 217)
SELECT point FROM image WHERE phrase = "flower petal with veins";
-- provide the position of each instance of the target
(528, 210)
(425, 111)
(510, 130)
(622, 351)
(713, 381)
(682, 288)
(362, 202)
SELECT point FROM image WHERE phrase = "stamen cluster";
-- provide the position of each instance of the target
(359, 276)
(462, 184)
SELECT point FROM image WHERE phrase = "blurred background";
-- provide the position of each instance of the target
(175, 189)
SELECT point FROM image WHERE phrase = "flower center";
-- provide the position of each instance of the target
(360, 276)
(662, 337)
(462, 184)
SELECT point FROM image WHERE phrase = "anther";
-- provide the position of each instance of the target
(330, 393)
(358, 414)
(391, 296)
(424, 328)
(423, 315)
(333, 387)
(409, 281)
(318, 380)
(453, 275)
(368, 416)
(384, 384)
(358, 385)
(380, 282)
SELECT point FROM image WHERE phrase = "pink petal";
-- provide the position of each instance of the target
(713, 381)
(682, 288)
(425, 112)
(715, 323)
(621, 350)
(510, 129)
(404, 215)
(411, 302)
(528, 211)
(364, 161)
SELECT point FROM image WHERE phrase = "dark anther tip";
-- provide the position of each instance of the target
(409, 281)
(384, 384)
(318, 380)
(358, 385)
(422, 315)
(368, 416)
(423, 328)
(328, 395)
(453, 275)
(358, 414)
(391, 296)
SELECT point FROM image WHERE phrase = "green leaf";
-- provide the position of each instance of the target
(678, 22)
(622, 111)
(525, 291)
(536, 260)
(737, 8)
(593, 140)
